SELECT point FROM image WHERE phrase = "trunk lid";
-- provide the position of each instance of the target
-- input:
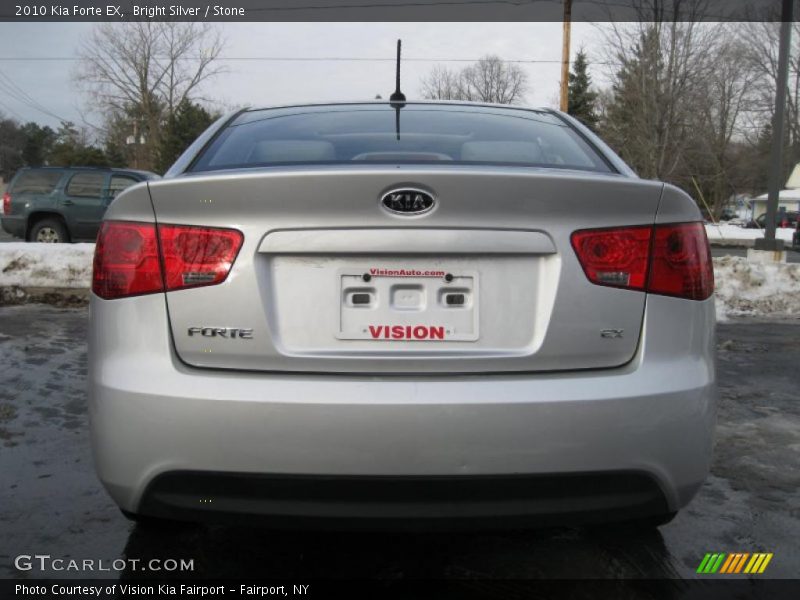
(487, 281)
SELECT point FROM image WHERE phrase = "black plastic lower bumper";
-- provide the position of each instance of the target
(425, 502)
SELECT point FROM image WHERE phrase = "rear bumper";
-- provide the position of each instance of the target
(167, 437)
(403, 502)
(14, 225)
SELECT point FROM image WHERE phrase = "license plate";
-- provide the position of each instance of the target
(408, 305)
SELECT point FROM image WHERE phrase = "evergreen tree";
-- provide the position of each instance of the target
(71, 149)
(182, 127)
(38, 141)
(636, 120)
(581, 97)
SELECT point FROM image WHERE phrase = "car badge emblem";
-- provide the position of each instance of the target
(408, 202)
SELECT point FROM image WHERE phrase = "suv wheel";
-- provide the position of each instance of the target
(49, 231)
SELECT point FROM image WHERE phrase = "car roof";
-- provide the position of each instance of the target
(148, 174)
(462, 103)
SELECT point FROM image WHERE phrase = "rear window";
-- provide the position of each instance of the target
(119, 183)
(36, 182)
(378, 133)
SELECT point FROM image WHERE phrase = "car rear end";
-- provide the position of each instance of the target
(12, 215)
(361, 312)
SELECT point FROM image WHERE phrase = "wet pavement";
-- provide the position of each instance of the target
(51, 503)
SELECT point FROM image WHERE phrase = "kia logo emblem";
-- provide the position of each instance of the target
(407, 201)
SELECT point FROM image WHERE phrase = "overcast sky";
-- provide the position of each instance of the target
(251, 82)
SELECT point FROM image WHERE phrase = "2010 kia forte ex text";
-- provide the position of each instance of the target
(402, 313)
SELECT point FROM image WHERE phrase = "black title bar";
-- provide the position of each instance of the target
(390, 10)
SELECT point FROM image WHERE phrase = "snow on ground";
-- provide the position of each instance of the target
(725, 231)
(46, 265)
(742, 288)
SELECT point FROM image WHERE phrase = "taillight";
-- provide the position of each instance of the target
(680, 264)
(615, 257)
(195, 256)
(127, 260)
(672, 260)
(7, 203)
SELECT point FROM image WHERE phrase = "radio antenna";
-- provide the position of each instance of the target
(397, 97)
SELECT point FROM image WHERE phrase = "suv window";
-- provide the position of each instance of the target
(36, 182)
(417, 133)
(86, 185)
(120, 183)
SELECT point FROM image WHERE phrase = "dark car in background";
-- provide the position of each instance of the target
(63, 204)
(783, 219)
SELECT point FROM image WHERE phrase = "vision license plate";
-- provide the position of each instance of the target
(408, 305)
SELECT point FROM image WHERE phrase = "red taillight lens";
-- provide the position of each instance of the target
(672, 260)
(195, 256)
(681, 262)
(615, 257)
(7, 203)
(127, 260)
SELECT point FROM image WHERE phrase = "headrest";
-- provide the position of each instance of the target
(278, 151)
(514, 152)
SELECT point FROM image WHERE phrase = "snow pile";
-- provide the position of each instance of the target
(725, 232)
(46, 265)
(744, 288)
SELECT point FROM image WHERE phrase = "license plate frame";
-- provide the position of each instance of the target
(414, 306)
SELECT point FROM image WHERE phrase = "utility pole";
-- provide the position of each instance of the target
(768, 242)
(564, 104)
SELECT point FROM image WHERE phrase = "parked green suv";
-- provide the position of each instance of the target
(63, 204)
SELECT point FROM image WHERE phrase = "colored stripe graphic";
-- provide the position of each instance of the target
(703, 563)
(718, 563)
(755, 562)
(727, 564)
(711, 563)
(741, 562)
(734, 563)
(730, 564)
(764, 564)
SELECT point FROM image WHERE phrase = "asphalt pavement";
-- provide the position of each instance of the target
(51, 502)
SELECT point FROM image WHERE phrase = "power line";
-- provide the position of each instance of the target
(309, 59)
(12, 111)
(11, 89)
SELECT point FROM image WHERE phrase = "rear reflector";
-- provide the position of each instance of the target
(7, 203)
(127, 261)
(672, 260)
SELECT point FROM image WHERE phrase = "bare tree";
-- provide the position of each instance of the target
(761, 58)
(145, 70)
(442, 84)
(727, 91)
(491, 79)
